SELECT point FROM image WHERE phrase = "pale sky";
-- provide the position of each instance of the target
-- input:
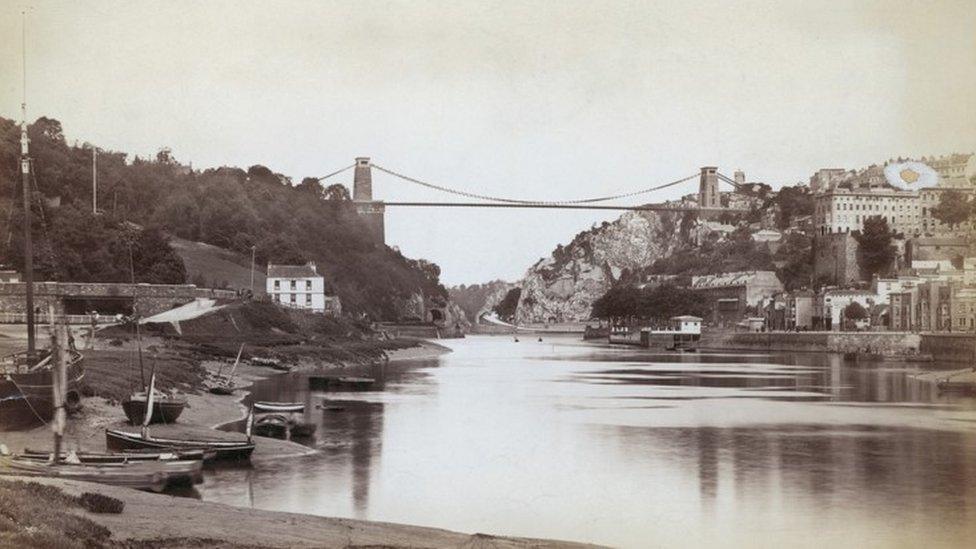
(539, 100)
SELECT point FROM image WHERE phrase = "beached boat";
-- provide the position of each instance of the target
(26, 383)
(166, 408)
(279, 407)
(218, 449)
(118, 457)
(143, 475)
(225, 386)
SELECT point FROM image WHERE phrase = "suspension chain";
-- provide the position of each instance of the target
(533, 202)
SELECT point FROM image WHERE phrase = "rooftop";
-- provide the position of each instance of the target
(292, 271)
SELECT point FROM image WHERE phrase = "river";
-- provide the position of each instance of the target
(619, 446)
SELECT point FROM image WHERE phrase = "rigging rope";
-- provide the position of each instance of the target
(337, 172)
(535, 202)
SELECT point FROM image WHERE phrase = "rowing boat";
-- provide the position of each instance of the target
(117, 440)
(279, 407)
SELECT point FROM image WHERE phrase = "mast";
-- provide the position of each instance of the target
(25, 180)
(94, 180)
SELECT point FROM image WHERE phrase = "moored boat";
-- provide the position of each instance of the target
(143, 475)
(279, 407)
(341, 383)
(166, 408)
(271, 425)
(26, 384)
(117, 440)
(119, 457)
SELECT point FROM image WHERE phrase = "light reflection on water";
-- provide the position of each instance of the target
(617, 446)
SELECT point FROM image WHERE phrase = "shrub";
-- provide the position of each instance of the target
(99, 503)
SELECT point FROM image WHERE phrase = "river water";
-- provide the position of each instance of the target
(586, 442)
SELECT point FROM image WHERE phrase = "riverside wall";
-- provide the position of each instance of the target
(883, 343)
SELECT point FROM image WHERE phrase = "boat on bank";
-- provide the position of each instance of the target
(26, 385)
(216, 449)
(117, 457)
(165, 408)
(279, 407)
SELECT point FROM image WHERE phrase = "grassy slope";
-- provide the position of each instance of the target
(218, 265)
(38, 516)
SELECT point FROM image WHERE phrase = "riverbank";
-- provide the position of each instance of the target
(152, 520)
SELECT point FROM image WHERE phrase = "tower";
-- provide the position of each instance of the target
(708, 196)
(740, 177)
(372, 211)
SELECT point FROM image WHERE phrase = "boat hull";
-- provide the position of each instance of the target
(154, 476)
(26, 399)
(216, 449)
(279, 407)
(164, 411)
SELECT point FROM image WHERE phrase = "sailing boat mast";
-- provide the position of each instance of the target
(25, 178)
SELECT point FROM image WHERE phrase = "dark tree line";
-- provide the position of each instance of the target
(655, 304)
(228, 207)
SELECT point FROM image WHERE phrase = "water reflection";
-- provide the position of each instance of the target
(568, 440)
(361, 423)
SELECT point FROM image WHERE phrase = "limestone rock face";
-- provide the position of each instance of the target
(563, 286)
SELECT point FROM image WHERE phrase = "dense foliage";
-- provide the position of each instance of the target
(227, 207)
(876, 253)
(954, 208)
(650, 303)
(738, 253)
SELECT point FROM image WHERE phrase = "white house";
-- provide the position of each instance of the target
(298, 286)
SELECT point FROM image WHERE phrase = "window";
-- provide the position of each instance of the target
(277, 284)
(293, 284)
(293, 300)
(308, 285)
(308, 299)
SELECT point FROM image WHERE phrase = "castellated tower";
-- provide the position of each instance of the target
(708, 196)
(362, 195)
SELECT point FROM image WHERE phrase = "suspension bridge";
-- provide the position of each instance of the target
(708, 201)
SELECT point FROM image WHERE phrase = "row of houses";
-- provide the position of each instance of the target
(928, 298)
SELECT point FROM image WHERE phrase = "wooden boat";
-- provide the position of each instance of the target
(26, 383)
(221, 449)
(166, 408)
(143, 475)
(279, 407)
(959, 387)
(271, 425)
(119, 457)
(225, 386)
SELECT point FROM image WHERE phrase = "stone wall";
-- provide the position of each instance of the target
(886, 343)
(150, 299)
(950, 347)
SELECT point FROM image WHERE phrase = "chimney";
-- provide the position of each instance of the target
(362, 181)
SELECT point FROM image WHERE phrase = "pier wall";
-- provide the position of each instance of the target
(950, 347)
(884, 343)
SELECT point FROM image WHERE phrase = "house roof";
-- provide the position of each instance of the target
(292, 271)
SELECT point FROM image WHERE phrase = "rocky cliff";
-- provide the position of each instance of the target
(563, 286)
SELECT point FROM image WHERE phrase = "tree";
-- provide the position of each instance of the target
(337, 193)
(855, 311)
(954, 208)
(876, 252)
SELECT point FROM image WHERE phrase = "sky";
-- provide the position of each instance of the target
(534, 100)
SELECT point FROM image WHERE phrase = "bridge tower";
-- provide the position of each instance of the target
(708, 196)
(373, 211)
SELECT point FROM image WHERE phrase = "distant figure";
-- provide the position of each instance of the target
(516, 340)
(540, 340)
